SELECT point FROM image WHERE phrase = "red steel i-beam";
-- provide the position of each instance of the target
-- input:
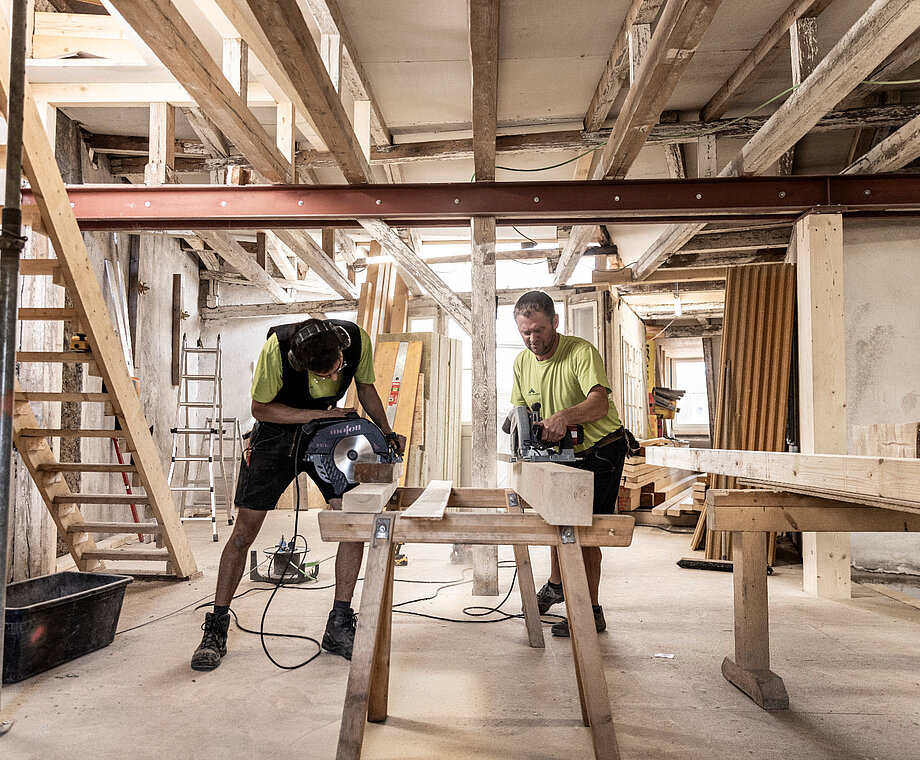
(120, 207)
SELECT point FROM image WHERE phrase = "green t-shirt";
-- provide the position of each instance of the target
(562, 381)
(268, 377)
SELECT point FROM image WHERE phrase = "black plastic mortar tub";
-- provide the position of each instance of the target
(57, 618)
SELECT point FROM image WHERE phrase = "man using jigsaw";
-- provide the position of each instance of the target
(566, 375)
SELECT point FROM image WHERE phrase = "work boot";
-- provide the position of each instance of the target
(562, 627)
(339, 637)
(548, 596)
(213, 644)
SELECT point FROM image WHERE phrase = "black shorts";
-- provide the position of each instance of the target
(606, 463)
(267, 467)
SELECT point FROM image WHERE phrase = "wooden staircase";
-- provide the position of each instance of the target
(171, 555)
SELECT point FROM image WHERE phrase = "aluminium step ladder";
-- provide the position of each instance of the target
(198, 437)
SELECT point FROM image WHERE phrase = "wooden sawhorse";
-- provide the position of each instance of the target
(751, 515)
(368, 679)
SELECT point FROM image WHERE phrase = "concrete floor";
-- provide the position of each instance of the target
(852, 670)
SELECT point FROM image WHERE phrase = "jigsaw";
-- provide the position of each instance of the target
(527, 445)
(334, 447)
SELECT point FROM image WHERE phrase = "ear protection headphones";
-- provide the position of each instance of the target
(310, 330)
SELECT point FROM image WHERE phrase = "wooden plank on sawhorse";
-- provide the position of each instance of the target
(366, 695)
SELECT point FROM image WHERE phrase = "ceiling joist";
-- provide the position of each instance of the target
(680, 28)
(884, 26)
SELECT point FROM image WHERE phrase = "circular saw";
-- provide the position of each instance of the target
(334, 447)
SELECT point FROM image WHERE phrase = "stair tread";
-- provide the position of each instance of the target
(101, 498)
(154, 554)
(114, 527)
(86, 467)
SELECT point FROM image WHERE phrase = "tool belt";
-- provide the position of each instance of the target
(632, 445)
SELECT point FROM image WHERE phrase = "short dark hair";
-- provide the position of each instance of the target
(535, 300)
(321, 352)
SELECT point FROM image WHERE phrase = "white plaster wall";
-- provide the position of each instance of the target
(242, 340)
(881, 277)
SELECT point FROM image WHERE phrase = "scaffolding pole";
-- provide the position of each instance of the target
(11, 243)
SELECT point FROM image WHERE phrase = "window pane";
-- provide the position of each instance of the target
(693, 409)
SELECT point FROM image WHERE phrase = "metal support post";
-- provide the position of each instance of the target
(11, 242)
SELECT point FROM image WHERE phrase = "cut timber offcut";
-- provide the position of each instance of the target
(561, 495)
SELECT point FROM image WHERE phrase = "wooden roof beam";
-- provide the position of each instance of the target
(679, 31)
(616, 70)
(292, 45)
(283, 23)
(759, 58)
(893, 153)
(161, 26)
(884, 26)
(329, 19)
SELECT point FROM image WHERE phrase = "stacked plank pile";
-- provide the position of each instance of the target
(651, 489)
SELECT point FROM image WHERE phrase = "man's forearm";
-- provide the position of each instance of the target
(370, 401)
(282, 414)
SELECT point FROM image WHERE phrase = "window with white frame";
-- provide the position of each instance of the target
(635, 398)
(692, 418)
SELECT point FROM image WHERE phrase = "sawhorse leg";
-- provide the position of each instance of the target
(589, 667)
(525, 582)
(750, 670)
(368, 679)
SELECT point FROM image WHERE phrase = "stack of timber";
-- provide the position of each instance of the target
(664, 402)
(654, 494)
(384, 299)
(754, 372)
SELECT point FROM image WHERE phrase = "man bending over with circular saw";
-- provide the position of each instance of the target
(304, 369)
(566, 376)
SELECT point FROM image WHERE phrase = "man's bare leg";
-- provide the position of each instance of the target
(246, 527)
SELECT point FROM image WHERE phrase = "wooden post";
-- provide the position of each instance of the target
(162, 150)
(330, 50)
(589, 666)
(362, 125)
(525, 583)
(235, 65)
(750, 670)
(803, 47)
(364, 677)
(822, 383)
(285, 133)
(485, 419)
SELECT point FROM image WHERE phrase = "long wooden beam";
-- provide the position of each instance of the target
(161, 25)
(885, 25)
(759, 58)
(780, 511)
(291, 41)
(328, 17)
(888, 479)
(225, 246)
(893, 153)
(283, 23)
(680, 28)
(192, 155)
(616, 69)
